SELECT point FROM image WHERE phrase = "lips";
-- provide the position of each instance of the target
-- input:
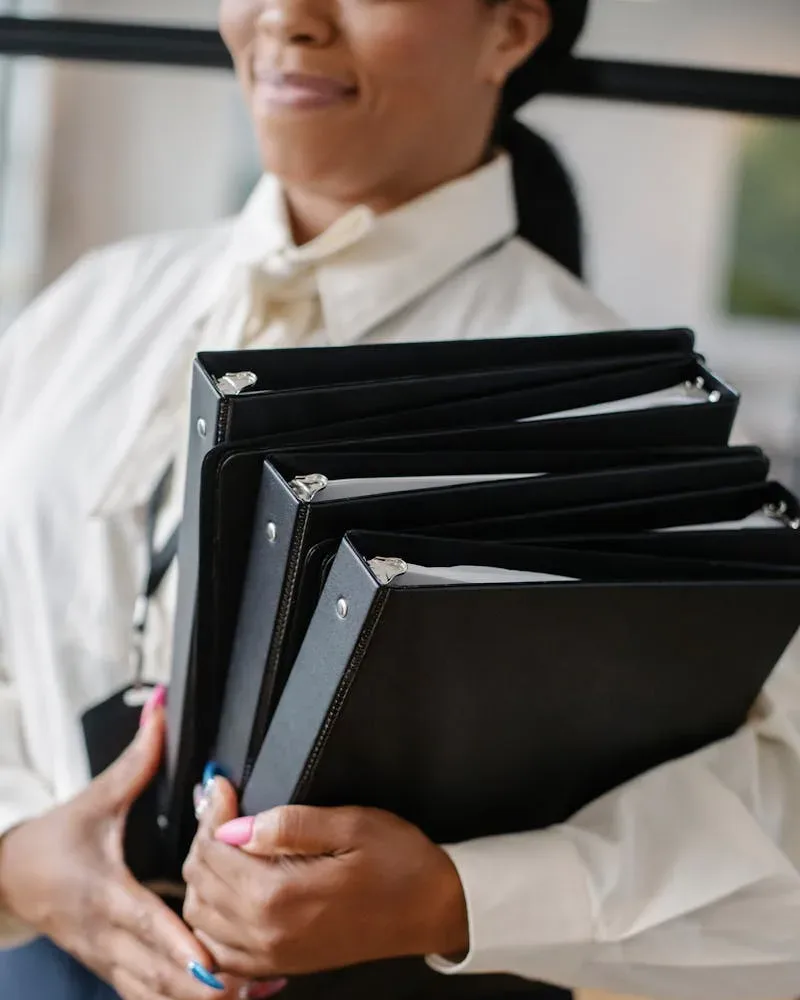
(300, 90)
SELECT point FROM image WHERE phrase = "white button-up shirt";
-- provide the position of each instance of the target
(682, 884)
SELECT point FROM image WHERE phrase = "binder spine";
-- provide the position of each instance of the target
(276, 524)
(334, 647)
(349, 676)
(188, 715)
(275, 646)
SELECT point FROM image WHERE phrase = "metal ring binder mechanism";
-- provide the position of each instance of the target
(780, 512)
(698, 388)
(386, 570)
(233, 383)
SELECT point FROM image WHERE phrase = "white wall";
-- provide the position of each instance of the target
(659, 189)
(136, 149)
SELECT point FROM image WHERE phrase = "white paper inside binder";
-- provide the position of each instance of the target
(343, 489)
(440, 576)
(757, 520)
(678, 395)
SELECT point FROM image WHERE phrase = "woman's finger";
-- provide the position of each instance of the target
(209, 887)
(297, 831)
(207, 920)
(156, 974)
(141, 914)
(131, 988)
(232, 867)
(237, 962)
(215, 804)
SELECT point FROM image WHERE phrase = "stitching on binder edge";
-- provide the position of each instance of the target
(279, 633)
(222, 420)
(342, 692)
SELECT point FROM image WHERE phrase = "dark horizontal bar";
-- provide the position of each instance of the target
(644, 83)
(112, 42)
(682, 86)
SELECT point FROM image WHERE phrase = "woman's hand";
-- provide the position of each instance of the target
(305, 890)
(64, 875)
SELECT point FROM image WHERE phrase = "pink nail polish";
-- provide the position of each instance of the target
(157, 699)
(237, 833)
(262, 991)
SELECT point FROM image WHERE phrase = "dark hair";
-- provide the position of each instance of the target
(547, 205)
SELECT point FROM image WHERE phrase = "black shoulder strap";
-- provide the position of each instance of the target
(160, 559)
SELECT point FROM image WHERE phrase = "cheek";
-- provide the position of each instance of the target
(406, 62)
(237, 24)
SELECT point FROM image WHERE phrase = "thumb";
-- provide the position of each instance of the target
(295, 831)
(123, 782)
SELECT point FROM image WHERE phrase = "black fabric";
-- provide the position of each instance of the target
(547, 204)
(160, 559)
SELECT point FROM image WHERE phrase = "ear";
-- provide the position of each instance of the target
(519, 28)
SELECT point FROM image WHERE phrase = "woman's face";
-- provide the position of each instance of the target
(354, 97)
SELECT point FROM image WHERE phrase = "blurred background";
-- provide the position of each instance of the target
(692, 218)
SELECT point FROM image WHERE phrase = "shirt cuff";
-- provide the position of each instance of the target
(529, 907)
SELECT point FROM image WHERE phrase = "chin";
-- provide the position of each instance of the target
(310, 156)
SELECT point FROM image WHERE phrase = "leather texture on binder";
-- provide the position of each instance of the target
(393, 705)
(710, 423)
(278, 600)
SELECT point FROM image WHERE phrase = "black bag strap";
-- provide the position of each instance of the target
(159, 562)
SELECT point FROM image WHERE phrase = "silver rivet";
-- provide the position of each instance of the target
(202, 427)
(272, 531)
(715, 396)
(342, 608)
(162, 822)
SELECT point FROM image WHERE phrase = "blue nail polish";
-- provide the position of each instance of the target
(204, 976)
(212, 771)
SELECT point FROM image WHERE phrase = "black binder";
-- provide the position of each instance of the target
(332, 651)
(320, 394)
(294, 517)
(474, 709)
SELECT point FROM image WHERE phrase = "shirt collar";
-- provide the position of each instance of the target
(368, 268)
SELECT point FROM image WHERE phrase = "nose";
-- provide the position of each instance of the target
(298, 22)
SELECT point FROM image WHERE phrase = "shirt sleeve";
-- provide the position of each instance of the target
(683, 884)
(24, 794)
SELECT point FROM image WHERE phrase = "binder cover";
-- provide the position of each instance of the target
(475, 710)
(294, 515)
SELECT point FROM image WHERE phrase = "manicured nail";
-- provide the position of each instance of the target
(199, 801)
(157, 699)
(203, 793)
(205, 977)
(263, 991)
(212, 771)
(237, 832)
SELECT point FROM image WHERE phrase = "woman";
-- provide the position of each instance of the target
(384, 217)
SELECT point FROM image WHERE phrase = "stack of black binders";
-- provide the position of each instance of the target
(478, 584)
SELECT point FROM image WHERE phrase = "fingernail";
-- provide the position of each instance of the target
(262, 991)
(203, 793)
(237, 832)
(212, 771)
(202, 975)
(199, 800)
(157, 699)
